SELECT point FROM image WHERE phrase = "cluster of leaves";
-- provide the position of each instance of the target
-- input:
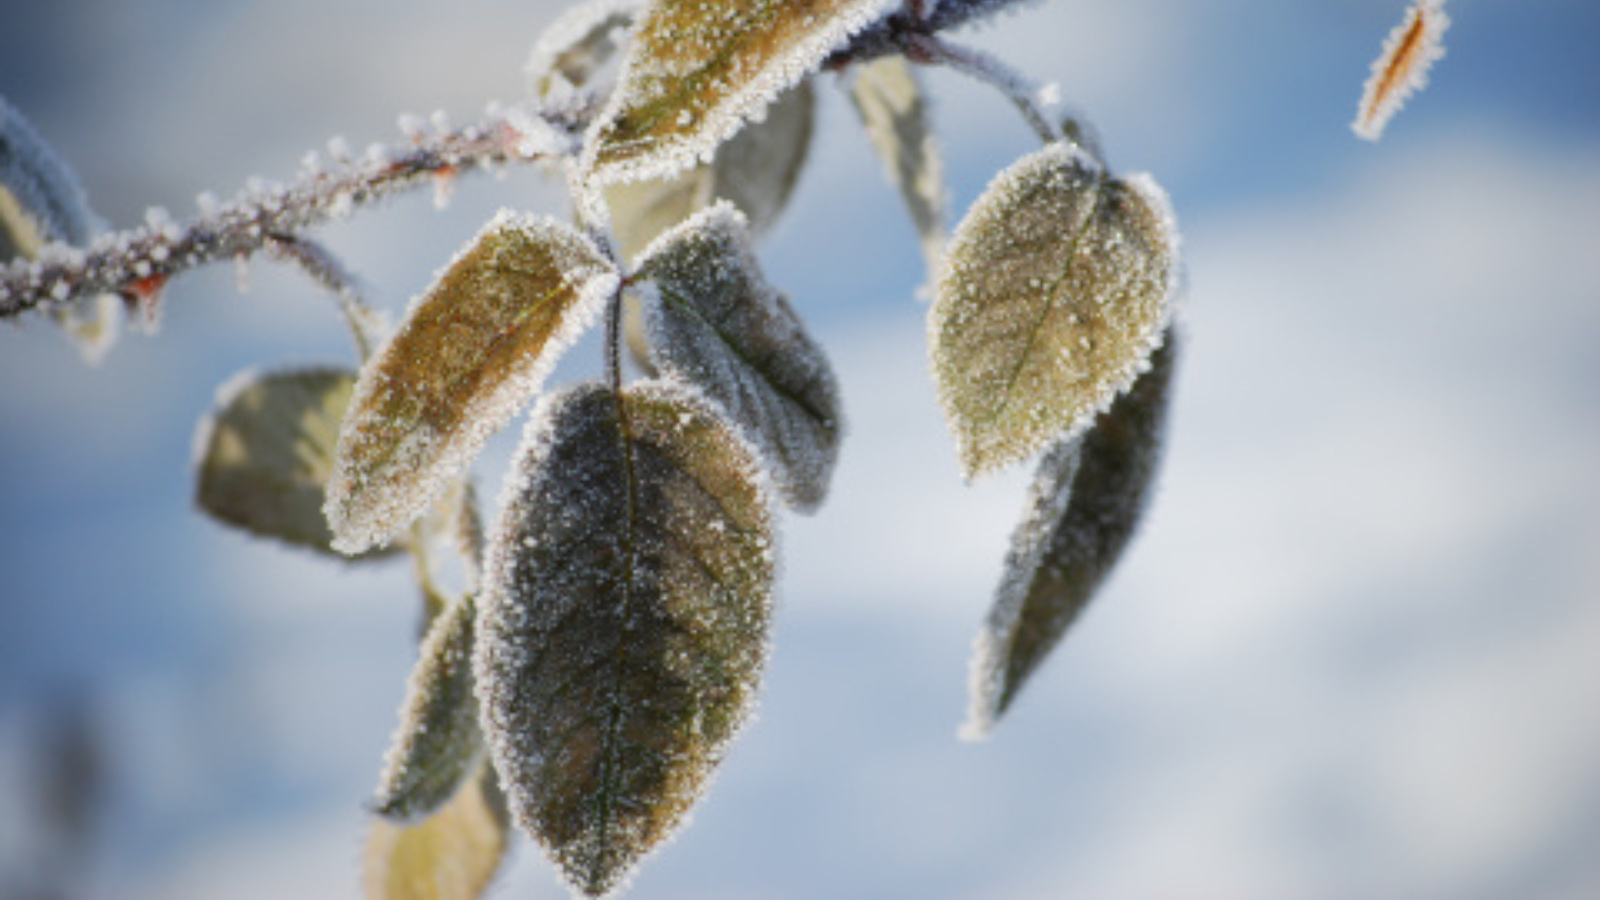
(610, 633)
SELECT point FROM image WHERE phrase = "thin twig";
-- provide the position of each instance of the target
(1018, 89)
(324, 268)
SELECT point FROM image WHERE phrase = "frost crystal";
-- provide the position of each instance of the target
(1084, 505)
(624, 624)
(716, 323)
(473, 348)
(699, 69)
(1402, 69)
(1055, 290)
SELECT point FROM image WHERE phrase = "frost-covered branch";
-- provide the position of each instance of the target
(137, 263)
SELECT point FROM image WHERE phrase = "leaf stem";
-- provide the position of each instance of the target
(1017, 88)
(325, 269)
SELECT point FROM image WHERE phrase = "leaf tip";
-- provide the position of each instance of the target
(1401, 69)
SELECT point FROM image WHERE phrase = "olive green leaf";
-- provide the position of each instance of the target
(699, 69)
(625, 620)
(578, 43)
(473, 348)
(438, 743)
(894, 111)
(756, 171)
(265, 453)
(451, 855)
(715, 322)
(1055, 289)
(1084, 505)
(42, 202)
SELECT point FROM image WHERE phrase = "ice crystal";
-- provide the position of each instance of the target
(1083, 507)
(474, 347)
(716, 323)
(624, 624)
(1402, 69)
(1054, 291)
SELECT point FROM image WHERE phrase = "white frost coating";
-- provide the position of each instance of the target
(434, 459)
(585, 29)
(759, 89)
(1048, 497)
(1401, 69)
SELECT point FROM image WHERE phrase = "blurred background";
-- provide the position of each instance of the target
(1354, 653)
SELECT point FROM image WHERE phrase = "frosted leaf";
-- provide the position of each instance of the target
(438, 743)
(1053, 293)
(1083, 507)
(755, 171)
(41, 202)
(894, 111)
(715, 322)
(698, 69)
(451, 855)
(578, 43)
(625, 622)
(1402, 68)
(265, 454)
(473, 348)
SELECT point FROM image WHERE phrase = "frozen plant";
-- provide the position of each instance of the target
(609, 639)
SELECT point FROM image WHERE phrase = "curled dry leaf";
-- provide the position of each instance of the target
(1402, 68)
(473, 348)
(438, 743)
(625, 622)
(1055, 289)
(894, 111)
(1084, 505)
(265, 454)
(699, 69)
(715, 322)
(451, 855)
(579, 43)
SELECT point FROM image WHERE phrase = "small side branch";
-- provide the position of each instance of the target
(321, 266)
(137, 262)
(1022, 93)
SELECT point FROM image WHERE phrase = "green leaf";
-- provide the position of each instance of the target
(1083, 508)
(755, 171)
(1056, 288)
(699, 69)
(451, 855)
(265, 453)
(894, 111)
(439, 742)
(716, 323)
(473, 348)
(625, 620)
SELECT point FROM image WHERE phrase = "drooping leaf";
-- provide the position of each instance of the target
(1402, 68)
(756, 171)
(438, 743)
(41, 202)
(698, 69)
(578, 43)
(1054, 291)
(716, 323)
(894, 110)
(451, 855)
(1084, 505)
(265, 454)
(624, 625)
(473, 348)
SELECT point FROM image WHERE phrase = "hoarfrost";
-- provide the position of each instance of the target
(716, 323)
(625, 620)
(475, 346)
(1402, 68)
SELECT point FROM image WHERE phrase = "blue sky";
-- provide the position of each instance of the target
(1353, 654)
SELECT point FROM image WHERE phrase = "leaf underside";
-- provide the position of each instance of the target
(438, 743)
(1055, 289)
(894, 111)
(451, 855)
(1084, 506)
(267, 451)
(698, 70)
(716, 323)
(625, 620)
(473, 348)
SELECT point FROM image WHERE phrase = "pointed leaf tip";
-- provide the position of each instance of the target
(473, 348)
(699, 69)
(1055, 289)
(625, 620)
(451, 855)
(1084, 505)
